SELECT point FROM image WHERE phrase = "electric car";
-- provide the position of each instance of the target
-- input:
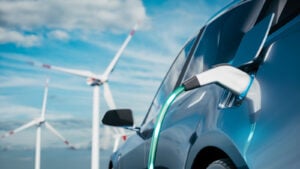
(213, 126)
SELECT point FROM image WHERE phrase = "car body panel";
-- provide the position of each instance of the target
(196, 122)
(276, 135)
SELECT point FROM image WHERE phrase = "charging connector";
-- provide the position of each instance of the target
(225, 75)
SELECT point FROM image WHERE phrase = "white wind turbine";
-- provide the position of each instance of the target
(39, 122)
(96, 80)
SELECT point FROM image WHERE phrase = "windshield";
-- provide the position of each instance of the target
(168, 85)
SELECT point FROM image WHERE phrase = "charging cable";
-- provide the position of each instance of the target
(227, 76)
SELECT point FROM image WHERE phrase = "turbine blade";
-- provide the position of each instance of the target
(116, 144)
(45, 99)
(21, 128)
(111, 104)
(113, 63)
(118, 138)
(116, 130)
(108, 96)
(81, 73)
(56, 133)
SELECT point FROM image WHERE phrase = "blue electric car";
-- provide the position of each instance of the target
(214, 126)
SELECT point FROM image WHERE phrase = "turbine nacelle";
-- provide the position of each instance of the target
(39, 121)
(93, 81)
(96, 81)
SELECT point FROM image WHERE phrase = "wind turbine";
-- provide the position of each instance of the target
(120, 138)
(39, 122)
(95, 80)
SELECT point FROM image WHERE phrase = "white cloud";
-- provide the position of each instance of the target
(12, 110)
(71, 14)
(10, 36)
(38, 80)
(17, 81)
(59, 35)
(77, 132)
(143, 54)
(60, 18)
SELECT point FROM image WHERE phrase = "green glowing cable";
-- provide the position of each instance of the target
(159, 121)
(249, 139)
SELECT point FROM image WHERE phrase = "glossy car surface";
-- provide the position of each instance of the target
(211, 123)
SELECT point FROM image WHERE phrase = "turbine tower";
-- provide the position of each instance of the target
(39, 122)
(95, 81)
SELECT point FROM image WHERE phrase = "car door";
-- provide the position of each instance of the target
(269, 138)
(277, 128)
(134, 153)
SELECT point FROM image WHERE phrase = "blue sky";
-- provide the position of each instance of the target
(86, 35)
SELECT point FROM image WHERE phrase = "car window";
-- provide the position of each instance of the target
(168, 85)
(284, 12)
(221, 39)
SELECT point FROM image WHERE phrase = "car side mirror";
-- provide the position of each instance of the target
(118, 118)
